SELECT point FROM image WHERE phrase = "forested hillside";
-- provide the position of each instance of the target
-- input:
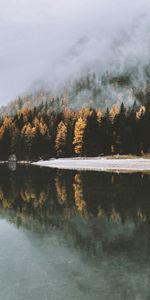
(90, 90)
(43, 132)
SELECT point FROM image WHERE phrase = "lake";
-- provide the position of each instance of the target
(74, 235)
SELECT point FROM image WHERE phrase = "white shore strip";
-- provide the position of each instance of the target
(98, 164)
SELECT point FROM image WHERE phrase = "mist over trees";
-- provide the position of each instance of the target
(90, 90)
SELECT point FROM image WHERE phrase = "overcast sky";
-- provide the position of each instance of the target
(36, 35)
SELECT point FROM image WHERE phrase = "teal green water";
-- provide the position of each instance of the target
(74, 235)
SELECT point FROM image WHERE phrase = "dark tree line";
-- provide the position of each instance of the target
(43, 132)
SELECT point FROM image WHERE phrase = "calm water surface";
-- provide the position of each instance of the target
(68, 235)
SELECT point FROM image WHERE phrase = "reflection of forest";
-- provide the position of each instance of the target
(97, 212)
(53, 196)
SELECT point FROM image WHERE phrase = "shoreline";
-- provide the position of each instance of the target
(103, 164)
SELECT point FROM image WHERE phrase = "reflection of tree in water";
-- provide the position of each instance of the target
(79, 195)
(92, 210)
(54, 196)
(29, 195)
(61, 189)
(114, 216)
(12, 166)
(6, 203)
(141, 215)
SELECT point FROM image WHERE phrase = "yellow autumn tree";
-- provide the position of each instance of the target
(43, 127)
(140, 112)
(79, 130)
(114, 111)
(7, 125)
(99, 114)
(28, 130)
(61, 138)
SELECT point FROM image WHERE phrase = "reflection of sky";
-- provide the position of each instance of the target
(47, 267)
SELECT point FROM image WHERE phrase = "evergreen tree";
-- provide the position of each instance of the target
(91, 135)
(106, 134)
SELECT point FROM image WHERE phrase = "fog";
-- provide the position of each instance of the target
(52, 41)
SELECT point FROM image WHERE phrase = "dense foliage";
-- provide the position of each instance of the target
(42, 132)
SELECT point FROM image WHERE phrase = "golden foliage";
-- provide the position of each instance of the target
(69, 114)
(61, 138)
(85, 112)
(28, 130)
(43, 127)
(40, 125)
(80, 126)
(114, 111)
(140, 112)
(99, 114)
(2, 130)
(7, 122)
(25, 112)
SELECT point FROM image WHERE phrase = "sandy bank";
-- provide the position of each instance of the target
(98, 164)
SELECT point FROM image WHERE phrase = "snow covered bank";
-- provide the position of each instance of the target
(97, 164)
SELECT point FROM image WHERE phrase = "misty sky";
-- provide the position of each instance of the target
(37, 35)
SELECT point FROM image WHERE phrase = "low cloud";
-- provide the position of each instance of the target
(55, 41)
